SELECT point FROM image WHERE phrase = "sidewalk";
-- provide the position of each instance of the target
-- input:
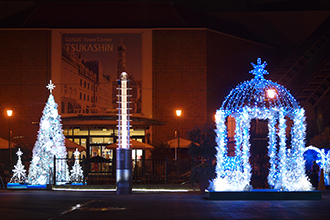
(135, 188)
(193, 205)
(82, 205)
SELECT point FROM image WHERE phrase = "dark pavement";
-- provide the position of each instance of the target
(53, 205)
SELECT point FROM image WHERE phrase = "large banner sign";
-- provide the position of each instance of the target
(91, 64)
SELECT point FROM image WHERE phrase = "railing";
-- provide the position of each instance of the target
(100, 171)
(162, 171)
(145, 171)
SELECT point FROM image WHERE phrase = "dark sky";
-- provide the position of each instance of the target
(8, 8)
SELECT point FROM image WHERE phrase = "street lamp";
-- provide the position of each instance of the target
(9, 114)
(178, 114)
(271, 93)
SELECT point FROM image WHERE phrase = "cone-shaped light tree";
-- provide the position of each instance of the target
(50, 144)
(76, 173)
(19, 175)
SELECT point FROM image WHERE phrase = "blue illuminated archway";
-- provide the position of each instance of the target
(261, 99)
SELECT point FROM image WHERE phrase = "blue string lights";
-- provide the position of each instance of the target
(266, 100)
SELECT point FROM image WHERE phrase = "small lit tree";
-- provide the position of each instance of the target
(19, 173)
(76, 173)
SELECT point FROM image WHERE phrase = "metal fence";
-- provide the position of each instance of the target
(101, 171)
(162, 171)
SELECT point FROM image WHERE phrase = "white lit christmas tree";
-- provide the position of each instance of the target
(76, 173)
(19, 173)
(50, 144)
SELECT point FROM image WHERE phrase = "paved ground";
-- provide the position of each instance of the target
(55, 205)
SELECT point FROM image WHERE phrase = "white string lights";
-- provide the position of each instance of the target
(124, 120)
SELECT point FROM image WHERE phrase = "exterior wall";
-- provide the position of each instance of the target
(179, 81)
(193, 70)
(26, 68)
(25, 72)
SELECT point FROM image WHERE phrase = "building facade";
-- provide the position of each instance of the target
(187, 73)
(173, 63)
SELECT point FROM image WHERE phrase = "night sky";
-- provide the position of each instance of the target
(9, 8)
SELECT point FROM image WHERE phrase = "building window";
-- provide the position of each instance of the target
(134, 95)
(62, 109)
(70, 108)
(80, 96)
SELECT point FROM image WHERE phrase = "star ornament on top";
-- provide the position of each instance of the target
(259, 69)
(19, 152)
(76, 153)
(50, 86)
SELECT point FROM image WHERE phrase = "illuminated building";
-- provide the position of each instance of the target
(179, 59)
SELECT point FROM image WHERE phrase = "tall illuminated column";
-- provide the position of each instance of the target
(9, 114)
(124, 153)
(178, 113)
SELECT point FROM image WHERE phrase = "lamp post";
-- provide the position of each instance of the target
(178, 114)
(271, 93)
(9, 114)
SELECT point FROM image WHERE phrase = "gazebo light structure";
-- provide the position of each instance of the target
(265, 100)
